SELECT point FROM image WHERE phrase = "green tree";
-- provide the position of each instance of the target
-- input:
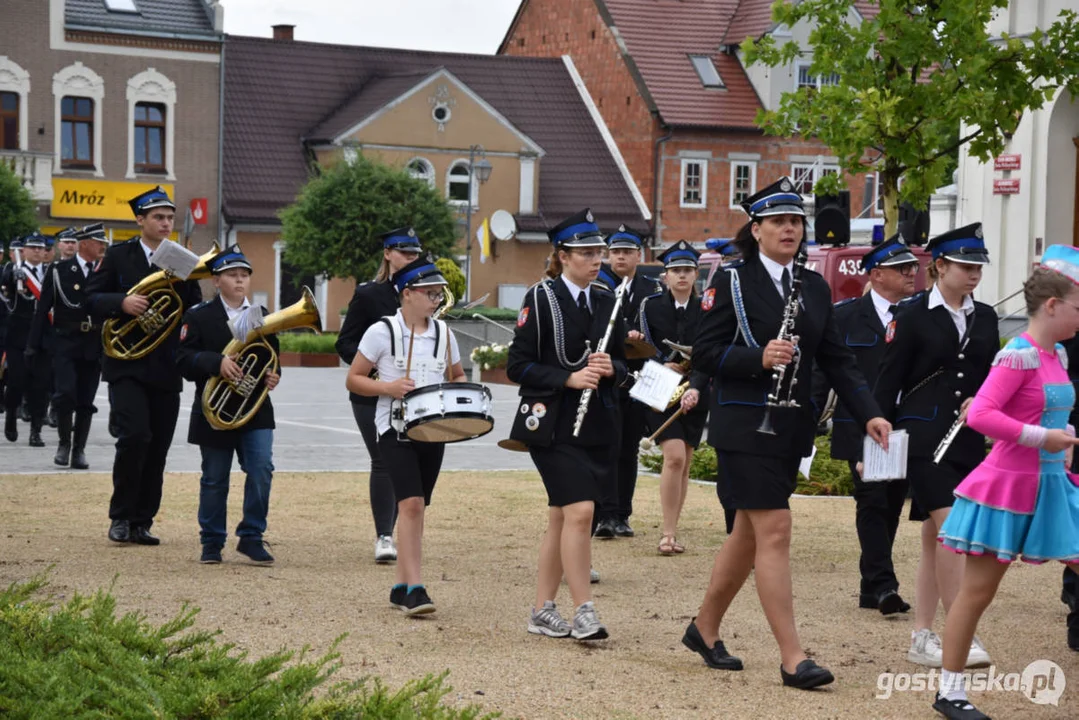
(17, 212)
(908, 78)
(332, 229)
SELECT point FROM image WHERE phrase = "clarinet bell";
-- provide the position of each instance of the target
(766, 424)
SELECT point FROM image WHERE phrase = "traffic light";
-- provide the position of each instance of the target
(913, 224)
(831, 222)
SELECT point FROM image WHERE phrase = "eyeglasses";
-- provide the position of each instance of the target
(905, 269)
(1071, 305)
(435, 297)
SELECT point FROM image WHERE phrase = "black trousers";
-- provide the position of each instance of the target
(75, 382)
(616, 496)
(383, 501)
(29, 379)
(146, 419)
(877, 507)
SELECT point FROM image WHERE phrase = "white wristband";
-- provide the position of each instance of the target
(1033, 436)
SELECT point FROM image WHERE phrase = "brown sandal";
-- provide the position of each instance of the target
(667, 545)
(678, 547)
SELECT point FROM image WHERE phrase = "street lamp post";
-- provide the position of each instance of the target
(482, 170)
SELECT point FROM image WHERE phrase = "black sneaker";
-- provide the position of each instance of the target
(958, 709)
(255, 550)
(418, 602)
(622, 529)
(211, 555)
(398, 593)
(604, 529)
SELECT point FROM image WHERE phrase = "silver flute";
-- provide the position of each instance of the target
(586, 396)
(949, 438)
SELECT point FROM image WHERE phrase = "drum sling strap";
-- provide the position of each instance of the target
(399, 352)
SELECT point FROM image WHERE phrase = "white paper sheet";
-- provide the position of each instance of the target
(245, 322)
(175, 258)
(655, 385)
(807, 462)
(879, 465)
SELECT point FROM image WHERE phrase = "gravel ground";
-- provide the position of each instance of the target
(482, 534)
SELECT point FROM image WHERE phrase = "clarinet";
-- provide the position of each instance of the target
(586, 396)
(786, 332)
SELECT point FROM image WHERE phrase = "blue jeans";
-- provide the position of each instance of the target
(255, 451)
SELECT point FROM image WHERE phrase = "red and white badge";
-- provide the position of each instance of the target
(708, 299)
(183, 332)
(889, 332)
(522, 317)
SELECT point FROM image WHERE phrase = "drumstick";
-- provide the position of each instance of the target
(449, 354)
(411, 342)
(650, 442)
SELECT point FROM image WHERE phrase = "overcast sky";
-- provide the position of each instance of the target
(444, 25)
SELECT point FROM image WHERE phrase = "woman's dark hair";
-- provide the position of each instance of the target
(748, 246)
(1042, 285)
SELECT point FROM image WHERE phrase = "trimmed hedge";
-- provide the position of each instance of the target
(307, 342)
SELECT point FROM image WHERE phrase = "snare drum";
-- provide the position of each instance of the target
(445, 413)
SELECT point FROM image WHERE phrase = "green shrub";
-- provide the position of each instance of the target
(490, 356)
(80, 660)
(454, 277)
(491, 313)
(307, 342)
(827, 476)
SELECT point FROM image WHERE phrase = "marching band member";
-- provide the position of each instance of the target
(76, 355)
(741, 345)
(1019, 501)
(27, 373)
(725, 247)
(862, 324)
(674, 315)
(409, 350)
(562, 319)
(67, 243)
(940, 347)
(204, 334)
(144, 393)
(624, 249)
(371, 301)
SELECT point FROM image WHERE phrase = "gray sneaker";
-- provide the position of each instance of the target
(586, 624)
(593, 576)
(547, 621)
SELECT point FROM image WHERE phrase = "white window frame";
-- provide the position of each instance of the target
(427, 175)
(817, 82)
(14, 79)
(150, 86)
(77, 80)
(878, 199)
(816, 170)
(752, 165)
(703, 164)
(463, 162)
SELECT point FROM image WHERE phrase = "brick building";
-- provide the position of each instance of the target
(102, 99)
(669, 79)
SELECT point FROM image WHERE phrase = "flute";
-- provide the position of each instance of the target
(586, 396)
(949, 438)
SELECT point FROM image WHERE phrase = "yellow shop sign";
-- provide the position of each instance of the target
(97, 199)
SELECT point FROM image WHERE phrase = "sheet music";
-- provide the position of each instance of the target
(175, 258)
(655, 385)
(879, 465)
(807, 462)
(250, 319)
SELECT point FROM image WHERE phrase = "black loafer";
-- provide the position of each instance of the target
(806, 676)
(715, 657)
(891, 603)
(140, 535)
(120, 531)
(958, 709)
(604, 529)
(622, 529)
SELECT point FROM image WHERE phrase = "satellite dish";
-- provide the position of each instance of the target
(502, 225)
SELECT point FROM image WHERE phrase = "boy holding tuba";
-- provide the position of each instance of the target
(204, 334)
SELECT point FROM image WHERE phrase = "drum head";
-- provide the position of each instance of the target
(450, 428)
(637, 349)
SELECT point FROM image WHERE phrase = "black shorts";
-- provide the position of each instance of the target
(413, 466)
(754, 482)
(572, 473)
(689, 427)
(932, 486)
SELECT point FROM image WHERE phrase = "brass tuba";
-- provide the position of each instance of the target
(228, 405)
(131, 338)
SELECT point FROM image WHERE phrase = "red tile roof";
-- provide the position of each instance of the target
(754, 19)
(280, 93)
(660, 35)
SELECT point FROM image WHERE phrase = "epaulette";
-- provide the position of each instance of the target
(733, 264)
(540, 282)
(201, 305)
(602, 287)
(845, 301)
(656, 294)
(129, 241)
(1018, 354)
(905, 302)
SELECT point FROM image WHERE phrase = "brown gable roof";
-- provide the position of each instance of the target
(281, 93)
(754, 19)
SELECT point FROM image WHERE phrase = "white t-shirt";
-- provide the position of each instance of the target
(376, 346)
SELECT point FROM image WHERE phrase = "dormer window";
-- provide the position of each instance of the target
(121, 6)
(706, 71)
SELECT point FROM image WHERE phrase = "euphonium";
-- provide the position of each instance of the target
(130, 338)
(228, 405)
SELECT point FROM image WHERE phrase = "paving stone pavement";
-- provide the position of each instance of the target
(315, 432)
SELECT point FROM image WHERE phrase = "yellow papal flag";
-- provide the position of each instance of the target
(483, 237)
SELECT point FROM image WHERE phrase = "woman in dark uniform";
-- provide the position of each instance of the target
(673, 316)
(940, 346)
(555, 357)
(371, 301)
(739, 345)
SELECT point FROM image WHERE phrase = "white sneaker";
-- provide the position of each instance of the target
(925, 649)
(977, 657)
(385, 550)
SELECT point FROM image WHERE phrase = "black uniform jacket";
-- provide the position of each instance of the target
(370, 302)
(926, 375)
(205, 333)
(533, 364)
(742, 385)
(861, 330)
(20, 310)
(658, 321)
(122, 267)
(76, 336)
